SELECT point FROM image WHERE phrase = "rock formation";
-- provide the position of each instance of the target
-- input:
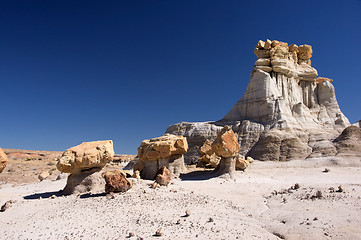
(226, 146)
(116, 181)
(349, 142)
(155, 153)
(163, 176)
(242, 163)
(357, 124)
(208, 156)
(3, 160)
(84, 162)
(286, 112)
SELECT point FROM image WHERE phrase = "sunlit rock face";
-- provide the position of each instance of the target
(287, 111)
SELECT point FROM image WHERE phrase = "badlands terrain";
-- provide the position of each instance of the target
(284, 163)
(270, 200)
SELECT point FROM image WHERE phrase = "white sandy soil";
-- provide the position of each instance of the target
(257, 204)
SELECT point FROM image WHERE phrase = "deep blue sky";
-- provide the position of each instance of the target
(74, 71)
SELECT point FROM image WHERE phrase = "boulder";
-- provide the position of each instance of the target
(208, 157)
(155, 153)
(3, 160)
(304, 52)
(226, 144)
(85, 156)
(44, 175)
(116, 181)
(163, 176)
(241, 163)
(162, 147)
(84, 162)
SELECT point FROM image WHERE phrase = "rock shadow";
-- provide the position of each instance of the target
(199, 175)
(90, 195)
(44, 195)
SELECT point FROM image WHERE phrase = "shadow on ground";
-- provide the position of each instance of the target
(44, 195)
(60, 194)
(199, 175)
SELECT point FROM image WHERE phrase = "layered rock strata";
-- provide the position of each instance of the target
(286, 112)
(165, 151)
(84, 163)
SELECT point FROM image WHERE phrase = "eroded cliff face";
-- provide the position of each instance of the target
(287, 111)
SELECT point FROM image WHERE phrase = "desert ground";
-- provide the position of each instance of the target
(270, 200)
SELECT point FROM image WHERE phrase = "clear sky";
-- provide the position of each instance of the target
(74, 71)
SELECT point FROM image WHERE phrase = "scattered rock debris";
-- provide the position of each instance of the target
(6, 205)
(188, 213)
(340, 189)
(155, 185)
(326, 170)
(159, 233)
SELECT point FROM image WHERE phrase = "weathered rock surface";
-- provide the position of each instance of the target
(349, 141)
(86, 155)
(227, 147)
(116, 181)
(286, 112)
(357, 124)
(163, 176)
(88, 181)
(208, 156)
(43, 175)
(226, 144)
(242, 163)
(196, 134)
(3, 160)
(166, 151)
(84, 162)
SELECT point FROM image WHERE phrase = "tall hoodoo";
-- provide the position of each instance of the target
(286, 112)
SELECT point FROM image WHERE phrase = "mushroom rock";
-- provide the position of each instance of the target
(227, 147)
(285, 113)
(166, 151)
(3, 160)
(84, 163)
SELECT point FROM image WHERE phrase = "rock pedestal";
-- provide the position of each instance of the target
(164, 151)
(226, 146)
(3, 160)
(84, 163)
